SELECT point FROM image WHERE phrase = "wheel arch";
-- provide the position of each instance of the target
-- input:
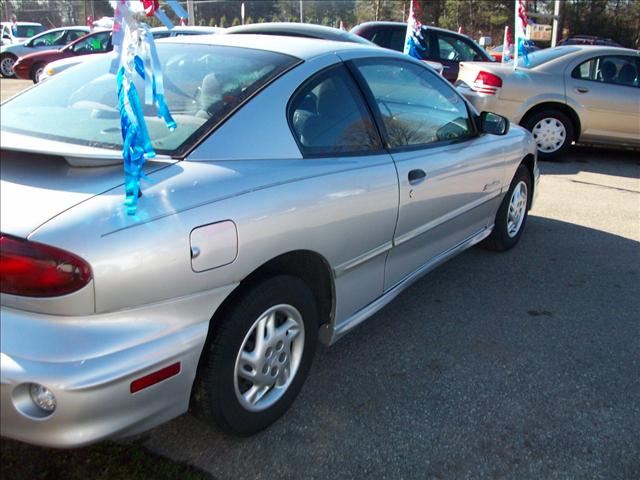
(309, 266)
(34, 68)
(562, 107)
(529, 162)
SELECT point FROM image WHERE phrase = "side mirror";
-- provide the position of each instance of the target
(493, 123)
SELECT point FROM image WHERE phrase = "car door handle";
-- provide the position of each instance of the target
(582, 90)
(417, 176)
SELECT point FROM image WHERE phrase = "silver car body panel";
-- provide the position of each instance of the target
(148, 307)
(608, 113)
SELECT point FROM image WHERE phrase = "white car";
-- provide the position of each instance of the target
(19, 32)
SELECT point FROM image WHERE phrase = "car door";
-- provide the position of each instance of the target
(356, 207)
(607, 88)
(451, 50)
(450, 177)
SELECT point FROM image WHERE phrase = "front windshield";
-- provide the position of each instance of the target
(202, 83)
(539, 57)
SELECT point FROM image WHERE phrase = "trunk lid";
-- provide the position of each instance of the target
(40, 179)
(469, 71)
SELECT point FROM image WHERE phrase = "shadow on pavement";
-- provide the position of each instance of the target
(601, 160)
(523, 364)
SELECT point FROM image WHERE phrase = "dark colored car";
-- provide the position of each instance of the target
(30, 67)
(440, 45)
(588, 40)
(304, 30)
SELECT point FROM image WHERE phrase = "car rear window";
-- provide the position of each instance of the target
(28, 30)
(539, 57)
(203, 84)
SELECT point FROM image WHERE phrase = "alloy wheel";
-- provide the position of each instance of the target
(517, 209)
(269, 357)
(6, 66)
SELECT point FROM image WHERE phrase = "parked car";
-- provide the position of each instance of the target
(288, 205)
(308, 30)
(497, 52)
(59, 66)
(443, 46)
(19, 32)
(49, 40)
(566, 94)
(588, 40)
(31, 67)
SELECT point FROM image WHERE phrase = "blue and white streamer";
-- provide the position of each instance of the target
(135, 54)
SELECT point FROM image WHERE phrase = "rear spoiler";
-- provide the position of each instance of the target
(81, 156)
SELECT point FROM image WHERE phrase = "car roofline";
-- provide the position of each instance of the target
(302, 48)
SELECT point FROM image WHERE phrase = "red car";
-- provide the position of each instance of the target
(31, 66)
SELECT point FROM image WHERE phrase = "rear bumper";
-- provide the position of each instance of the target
(483, 102)
(89, 364)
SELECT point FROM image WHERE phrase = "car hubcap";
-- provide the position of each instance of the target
(6, 65)
(39, 74)
(269, 357)
(549, 134)
(517, 209)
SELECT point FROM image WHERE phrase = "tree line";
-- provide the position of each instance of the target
(616, 19)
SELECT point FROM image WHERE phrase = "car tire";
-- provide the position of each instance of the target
(223, 393)
(552, 131)
(6, 65)
(36, 72)
(512, 213)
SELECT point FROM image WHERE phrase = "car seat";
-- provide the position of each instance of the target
(326, 128)
(627, 75)
(608, 71)
(210, 96)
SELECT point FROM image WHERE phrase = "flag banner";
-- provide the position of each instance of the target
(413, 41)
(506, 46)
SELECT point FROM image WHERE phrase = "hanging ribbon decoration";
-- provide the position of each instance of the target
(521, 32)
(135, 54)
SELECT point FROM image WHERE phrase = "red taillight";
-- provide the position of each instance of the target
(487, 83)
(36, 270)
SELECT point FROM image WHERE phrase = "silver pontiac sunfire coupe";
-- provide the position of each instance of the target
(307, 184)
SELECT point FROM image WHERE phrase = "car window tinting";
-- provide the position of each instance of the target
(94, 43)
(203, 84)
(612, 69)
(396, 40)
(328, 116)
(456, 49)
(416, 106)
(50, 39)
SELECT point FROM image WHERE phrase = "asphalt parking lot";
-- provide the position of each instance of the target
(517, 365)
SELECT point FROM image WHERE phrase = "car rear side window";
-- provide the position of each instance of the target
(416, 106)
(329, 117)
(614, 69)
